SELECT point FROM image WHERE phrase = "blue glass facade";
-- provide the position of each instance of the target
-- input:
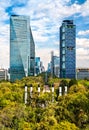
(20, 47)
(37, 66)
(67, 50)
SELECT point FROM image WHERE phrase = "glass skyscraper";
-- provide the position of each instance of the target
(67, 49)
(22, 48)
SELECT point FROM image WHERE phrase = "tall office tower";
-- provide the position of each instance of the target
(22, 48)
(67, 49)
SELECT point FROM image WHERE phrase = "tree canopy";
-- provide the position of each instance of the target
(44, 110)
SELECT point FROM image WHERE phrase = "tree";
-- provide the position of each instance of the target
(72, 82)
(63, 83)
(65, 125)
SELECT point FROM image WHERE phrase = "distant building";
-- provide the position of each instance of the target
(53, 66)
(3, 74)
(56, 66)
(32, 55)
(49, 67)
(22, 48)
(82, 73)
(39, 68)
(67, 49)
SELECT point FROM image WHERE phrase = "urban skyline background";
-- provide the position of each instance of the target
(45, 20)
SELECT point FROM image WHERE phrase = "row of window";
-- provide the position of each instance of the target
(67, 26)
(67, 48)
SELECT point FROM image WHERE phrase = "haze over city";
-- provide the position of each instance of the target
(45, 19)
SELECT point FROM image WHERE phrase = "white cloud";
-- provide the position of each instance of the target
(4, 4)
(38, 37)
(4, 45)
(44, 13)
(83, 32)
(4, 55)
(85, 8)
(14, 2)
(82, 42)
(82, 52)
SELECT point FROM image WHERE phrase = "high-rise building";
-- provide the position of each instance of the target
(22, 48)
(39, 68)
(56, 66)
(67, 49)
(53, 66)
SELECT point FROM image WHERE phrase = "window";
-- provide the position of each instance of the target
(63, 66)
(63, 43)
(63, 51)
(63, 36)
(63, 29)
(70, 26)
(63, 58)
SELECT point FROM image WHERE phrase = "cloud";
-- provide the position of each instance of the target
(82, 42)
(18, 2)
(4, 45)
(82, 52)
(4, 55)
(3, 15)
(38, 37)
(4, 4)
(82, 48)
(83, 32)
(85, 9)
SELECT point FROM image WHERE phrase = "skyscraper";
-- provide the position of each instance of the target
(39, 68)
(67, 49)
(54, 65)
(22, 48)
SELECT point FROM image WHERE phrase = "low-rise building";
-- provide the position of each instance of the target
(3, 74)
(82, 73)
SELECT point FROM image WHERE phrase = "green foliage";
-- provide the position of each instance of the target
(67, 112)
(72, 82)
(63, 83)
(77, 88)
(65, 125)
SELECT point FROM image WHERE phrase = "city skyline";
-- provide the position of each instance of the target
(45, 20)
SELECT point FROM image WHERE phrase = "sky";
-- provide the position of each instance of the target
(46, 17)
